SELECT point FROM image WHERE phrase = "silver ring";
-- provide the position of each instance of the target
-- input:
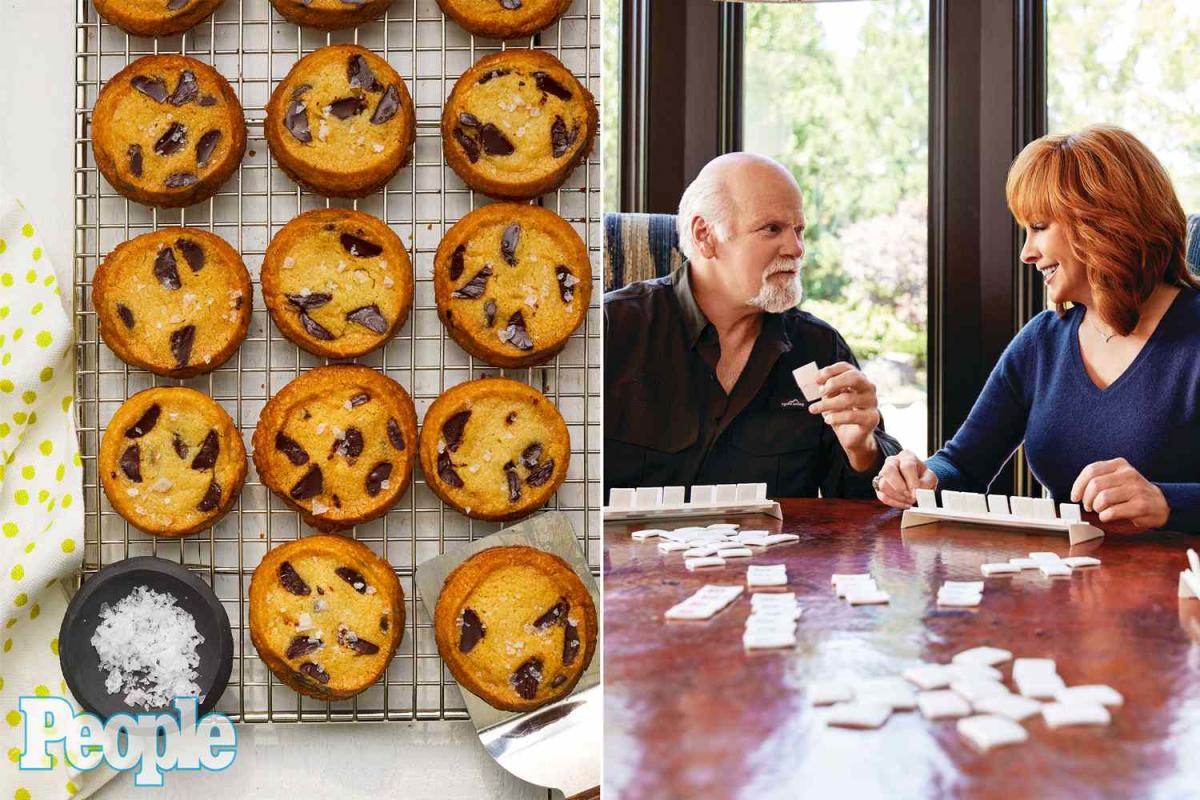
(875, 483)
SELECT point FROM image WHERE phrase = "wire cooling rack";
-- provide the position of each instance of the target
(254, 48)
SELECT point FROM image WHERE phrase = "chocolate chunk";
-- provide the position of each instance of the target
(347, 107)
(553, 615)
(181, 448)
(210, 448)
(540, 475)
(516, 333)
(383, 623)
(145, 424)
(166, 270)
(510, 418)
(206, 101)
(514, 484)
(313, 671)
(309, 486)
(508, 243)
(489, 312)
(135, 160)
(452, 429)
(551, 86)
(180, 180)
(193, 253)
(375, 478)
(360, 646)
(527, 678)
(181, 344)
(353, 577)
(395, 436)
(389, 104)
(359, 73)
(351, 443)
(154, 88)
(560, 139)
(131, 463)
(558, 681)
(492, 73)
(369, 317)
(566, 282)
(511, 5)
(457, 263)
(530, 455)
(468, 120)
(125, 314)
(205, 147)
(296, 121)
(302, 646)
(291, 580)
(570, 644)
(470, 631)
(445, 469)
(314, 328)
(359, 247)
(309, 301)
(469, 145)
(359, 399)
(473, 289)
(175, 5)
(211, 499)
(290, 448)
(494, 142)
(186, 90)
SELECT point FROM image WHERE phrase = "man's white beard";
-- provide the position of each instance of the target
(775, 297)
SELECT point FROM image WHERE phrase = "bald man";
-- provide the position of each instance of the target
(698, 365)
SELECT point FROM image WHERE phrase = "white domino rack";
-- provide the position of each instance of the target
(667, 502)
(999, 510)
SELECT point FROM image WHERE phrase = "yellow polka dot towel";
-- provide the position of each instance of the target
(41, 509)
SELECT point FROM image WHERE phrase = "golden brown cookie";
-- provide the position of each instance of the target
(512, 283)
(156, 17)
(494, 448)
(337, 445)
(516, 626)
(326, 615)
(337, 282)
(331, 15)
(171, 461)
(517, 124)
(174, 301)
(168, 131)
(341, 123)
(504, 19)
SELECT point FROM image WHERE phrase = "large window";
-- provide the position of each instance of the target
(838, 92)
(1135, 64)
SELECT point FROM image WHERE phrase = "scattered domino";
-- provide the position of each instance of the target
(960, 600)
(768, 640)
(705, 602)
(1055, 569)
(1041, 687)
(1013, 706)
(1045, 557)
(964, 586)
(647, 533)
(844, 587)
(974, 672)
(701, 563)
(890, 690)
(858, 714)
(986, 655)
(1023, 563)
(1081, 561)
(974, 690)
(824, 693)
(780, 538)
(700, 552)
(737, 552)
(942, 704)
(1033, 668)
(930, 676)
(672, 547)
(1058, 715)
(766, 575)
(779, 600)
(868, 597)
(986, 731)
(722, 526)
(806, 379)
(1096, 693)
(1001, 568)
(841, 576)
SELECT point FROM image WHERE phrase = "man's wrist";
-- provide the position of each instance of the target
(866, 456)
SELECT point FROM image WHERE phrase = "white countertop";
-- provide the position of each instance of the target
(366, 760)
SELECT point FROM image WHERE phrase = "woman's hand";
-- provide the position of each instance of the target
(900, 477)
(1118, 492)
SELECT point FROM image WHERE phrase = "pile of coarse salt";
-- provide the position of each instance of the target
(147, 645)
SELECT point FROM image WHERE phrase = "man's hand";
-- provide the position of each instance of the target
(900, 477)
(849, 406)
(1116, 491)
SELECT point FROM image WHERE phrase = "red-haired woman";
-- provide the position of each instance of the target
(1105, 393)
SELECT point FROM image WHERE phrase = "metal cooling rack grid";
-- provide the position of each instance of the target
(254, 48)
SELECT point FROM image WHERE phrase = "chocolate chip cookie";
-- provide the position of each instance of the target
(341, 123)
(156, 17)
(331, 15)
(516, 626)
(512, 283)
(175, 301)
(517, 123)
(494, 448)
(326, 615)
(171, 461)
(504, 19)
(337, 444)
(337, 282)
(168, 131)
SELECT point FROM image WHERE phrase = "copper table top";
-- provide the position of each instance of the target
(689, 714)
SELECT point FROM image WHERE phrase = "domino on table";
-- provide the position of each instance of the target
(704, 602)
(646, 533)
(857, 714)
(891, 690)
(868, 597)
(1034, 668)
(930, 676)
(942, 704)
(1001, 568)
(986, 731)
(1081, 561)
(1013, 706)
(704, 562)
(766, 575)
(1096, 693)
(1040, 688)
(672, 547)
(1055, 569)
(974, 690)
(824, 693)
(1058, 715)
(986, 655)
